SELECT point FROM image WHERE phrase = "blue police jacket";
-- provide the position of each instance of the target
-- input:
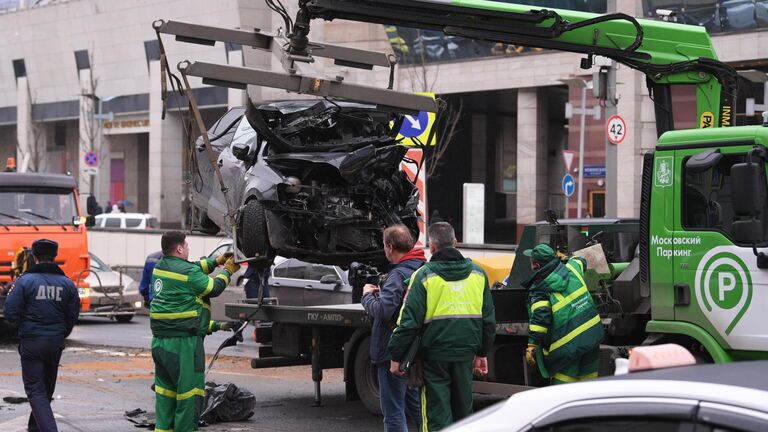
(385, 308)
(44, 303)
(146, 276)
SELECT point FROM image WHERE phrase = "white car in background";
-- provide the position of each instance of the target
(126, 221)
(111, 294)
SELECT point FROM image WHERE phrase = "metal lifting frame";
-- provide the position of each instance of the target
(301, 76)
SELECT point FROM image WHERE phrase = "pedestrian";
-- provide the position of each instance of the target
(449, 305)
(396, 398)
(258, 278)
(564, 329)
(146, 276)
(45, 304)
(179, 319)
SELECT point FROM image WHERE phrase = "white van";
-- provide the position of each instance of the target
(126, 220)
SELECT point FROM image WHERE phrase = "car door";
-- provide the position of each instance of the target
(288, 282)
(318, 293)
(232, 171)
(718, 286)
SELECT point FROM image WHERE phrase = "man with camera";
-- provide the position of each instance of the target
(396, 398)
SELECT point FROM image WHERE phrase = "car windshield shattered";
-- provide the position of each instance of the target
(317, 180)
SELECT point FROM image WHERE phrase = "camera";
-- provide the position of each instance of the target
(361, 274)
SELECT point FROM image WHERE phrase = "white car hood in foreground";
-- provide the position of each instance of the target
(522, 409)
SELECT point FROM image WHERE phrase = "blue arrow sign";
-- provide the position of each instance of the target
(414, 126)
(569, 185)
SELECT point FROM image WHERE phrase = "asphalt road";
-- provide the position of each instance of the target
(106, 370)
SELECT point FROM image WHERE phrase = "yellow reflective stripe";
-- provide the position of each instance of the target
(223, 277)
(210, 326)
(575, 332)
(559, 297)
(208, 288)
(170, 275)
(564, 378)
(173, 315)
(539, 304)
(578, 275)
(459, 299)
(568, 299)
(537, 328)
(578, 261)
(588, 376)
(202, 303)
(194, 392)
(163, 430)
(165, 392)
(204, 266)
(424, 426)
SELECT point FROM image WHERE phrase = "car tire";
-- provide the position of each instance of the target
(123, 318)
(254, 239)
(366, 380)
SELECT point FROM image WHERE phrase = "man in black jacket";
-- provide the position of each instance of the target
(396, 398)
(45, 304)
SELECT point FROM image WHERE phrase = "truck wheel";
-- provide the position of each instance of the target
(123, 318)
(253, 230)
(366, 381)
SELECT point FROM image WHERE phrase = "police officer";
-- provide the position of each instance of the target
(45, 305)
(179, 318)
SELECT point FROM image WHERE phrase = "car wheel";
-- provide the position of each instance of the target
(253, 230)
(123, 318)
(366, 381)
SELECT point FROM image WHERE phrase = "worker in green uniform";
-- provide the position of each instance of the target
(449, 304)
(564, 328)
(178, 321)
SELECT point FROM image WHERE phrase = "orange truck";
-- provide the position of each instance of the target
(35, 206)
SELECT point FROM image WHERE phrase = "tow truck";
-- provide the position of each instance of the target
(699, 273)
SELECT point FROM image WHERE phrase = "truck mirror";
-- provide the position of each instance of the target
(241, 151)
(703, 161)
(747, 231)
(748, 188)
(329, 279)
(88, 221)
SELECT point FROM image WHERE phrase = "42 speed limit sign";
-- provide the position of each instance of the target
(616, 129)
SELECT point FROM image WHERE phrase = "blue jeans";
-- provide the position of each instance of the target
(397, 400)
(252, 286)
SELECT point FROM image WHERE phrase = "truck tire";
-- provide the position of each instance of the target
(366, 381)
(123, 318)
(253, 230)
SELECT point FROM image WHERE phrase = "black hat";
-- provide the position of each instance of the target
(45, 247)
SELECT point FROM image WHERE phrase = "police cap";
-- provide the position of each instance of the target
(45, 247)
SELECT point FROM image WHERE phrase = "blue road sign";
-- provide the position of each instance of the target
(415, 125)
(569, 185)
(594, 170)
(91, 159)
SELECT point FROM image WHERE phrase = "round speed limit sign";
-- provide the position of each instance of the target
(616, 128)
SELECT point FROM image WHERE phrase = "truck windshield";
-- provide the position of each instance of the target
(38, 206)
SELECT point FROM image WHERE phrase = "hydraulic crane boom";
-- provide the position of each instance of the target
(667, 53)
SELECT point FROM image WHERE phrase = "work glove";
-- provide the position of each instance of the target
(530, 354)
(231, 266)
(221, 259)
(228, 325)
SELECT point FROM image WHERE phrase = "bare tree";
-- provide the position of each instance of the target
(90, 132)
(34, 152)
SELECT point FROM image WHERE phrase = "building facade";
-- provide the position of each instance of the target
(67, 65)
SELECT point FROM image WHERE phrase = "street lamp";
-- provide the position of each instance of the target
(583, 112)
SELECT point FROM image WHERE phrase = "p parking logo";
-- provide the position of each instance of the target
(158, 286)
(723, 287)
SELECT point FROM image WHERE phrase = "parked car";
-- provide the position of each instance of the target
(316, 180)
(126, 220)
(711, 397)
(111, 293)
(299, 283)
(237, 279)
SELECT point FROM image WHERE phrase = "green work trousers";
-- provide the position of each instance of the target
(446, 396)
(583, 368)
(179, 382)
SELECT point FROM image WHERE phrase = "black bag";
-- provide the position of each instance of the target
(411, 363)
(227, 402)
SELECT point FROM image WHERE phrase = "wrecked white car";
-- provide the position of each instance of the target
(316, 180)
